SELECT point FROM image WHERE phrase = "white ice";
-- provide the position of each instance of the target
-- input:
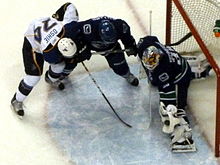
(28, 142)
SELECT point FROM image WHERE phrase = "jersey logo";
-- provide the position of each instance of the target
(163, 77)
(87, 29)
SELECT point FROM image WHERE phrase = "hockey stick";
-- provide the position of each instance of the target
(110, 51)
(184, 38)
(90, 75)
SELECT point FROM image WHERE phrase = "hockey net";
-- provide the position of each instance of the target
(190, 27)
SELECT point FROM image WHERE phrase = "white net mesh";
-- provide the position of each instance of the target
(202, 93)
(203, 14)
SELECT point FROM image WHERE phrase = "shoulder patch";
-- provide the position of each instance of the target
(163, 77)
(87, 29)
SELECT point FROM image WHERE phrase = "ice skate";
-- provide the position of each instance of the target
(182, 139)
(63, 77)
(132, 79)
(57, 84)
(17, 107)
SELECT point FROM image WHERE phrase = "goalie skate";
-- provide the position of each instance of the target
(182, 140)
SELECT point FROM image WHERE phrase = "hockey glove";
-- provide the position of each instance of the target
(82, 56)
(60, 12)
(131, 51)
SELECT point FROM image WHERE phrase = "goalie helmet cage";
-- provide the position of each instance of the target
(195, 17)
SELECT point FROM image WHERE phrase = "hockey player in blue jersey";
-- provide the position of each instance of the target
(51, 40)
(171, 74)
(102, 34)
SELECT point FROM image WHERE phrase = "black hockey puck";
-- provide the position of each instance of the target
(61, 86)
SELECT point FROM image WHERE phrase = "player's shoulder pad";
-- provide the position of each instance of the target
(121, 24)
(100, 18)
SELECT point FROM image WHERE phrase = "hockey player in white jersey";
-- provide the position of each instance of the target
(47, 39)
(171, 74)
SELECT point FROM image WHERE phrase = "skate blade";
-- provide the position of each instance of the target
(18, 116)
(181, 149)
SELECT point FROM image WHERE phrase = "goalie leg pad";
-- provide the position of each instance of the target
(176, 123)
(181, 138)
(168, 117)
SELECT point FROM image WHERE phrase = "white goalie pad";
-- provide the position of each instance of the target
(182, 138)
(181, 133)
(175, 124)
(198, 63)
(168, 118)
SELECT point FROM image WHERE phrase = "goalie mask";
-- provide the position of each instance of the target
(107, 32)
(151, 57)
(67, 47)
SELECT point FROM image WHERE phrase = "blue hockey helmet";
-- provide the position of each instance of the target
(107, 32)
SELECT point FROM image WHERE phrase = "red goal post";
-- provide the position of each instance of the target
(196, 17)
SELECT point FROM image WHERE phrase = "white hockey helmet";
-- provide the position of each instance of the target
(151, 57)
(67, 47)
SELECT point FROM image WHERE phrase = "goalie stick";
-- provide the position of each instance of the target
(90, 75)
(184, 38)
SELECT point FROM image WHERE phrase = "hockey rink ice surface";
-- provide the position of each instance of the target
(76, 126)
(85, 128)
